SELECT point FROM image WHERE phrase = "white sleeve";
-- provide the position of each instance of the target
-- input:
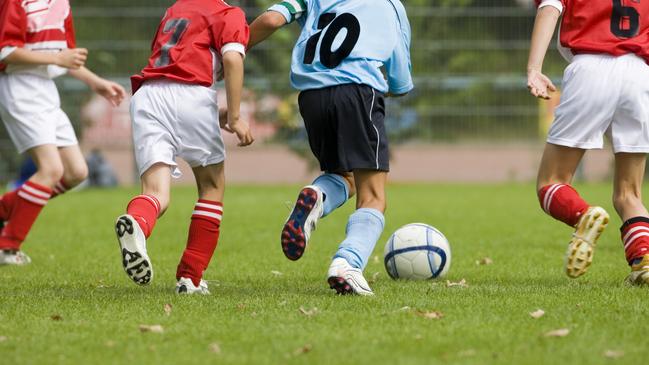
(234, 47)
(557, 4)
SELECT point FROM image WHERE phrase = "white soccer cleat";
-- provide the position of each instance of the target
(639, 272)
(302, 220)
(186, 286)
(580, 250)
(14, 257)
(132, 244)
(346, 279)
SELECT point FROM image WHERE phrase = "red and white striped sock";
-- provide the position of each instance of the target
(145, 209)
(203, 238)
(29, 201)
(635, 238)
(7, 203)
(562, 202)
(59, 188)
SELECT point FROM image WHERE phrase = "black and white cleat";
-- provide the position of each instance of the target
(132, 244)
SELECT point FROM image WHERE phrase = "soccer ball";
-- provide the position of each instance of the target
(417, 251)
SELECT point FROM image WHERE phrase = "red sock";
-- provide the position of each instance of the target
(59, 188)
(29, 201)
(635, 238)
(145, 209)
(6, 204)
(562, 202)
(202, 240)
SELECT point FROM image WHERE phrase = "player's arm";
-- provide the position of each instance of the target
(264, 26)
(68, 58)
(276, 17)
(113, 92)
(233, 73)
(398, 66)
(544, 25)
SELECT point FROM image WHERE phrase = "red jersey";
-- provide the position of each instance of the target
(38, 25)
(614, 27)
(190, 41)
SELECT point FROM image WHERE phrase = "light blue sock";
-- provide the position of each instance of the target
(363, 230)
(335, 189)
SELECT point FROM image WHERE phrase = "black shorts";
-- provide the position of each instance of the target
(346, 129)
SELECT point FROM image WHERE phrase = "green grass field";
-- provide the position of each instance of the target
(74, 304)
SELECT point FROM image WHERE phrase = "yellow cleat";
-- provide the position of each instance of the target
(639, 272)
(580, 250)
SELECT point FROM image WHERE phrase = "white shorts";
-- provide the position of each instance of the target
(31, 111)
(175, 120)
(604, 95)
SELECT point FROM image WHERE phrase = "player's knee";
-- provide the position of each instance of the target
(75, 175)
(51, 173)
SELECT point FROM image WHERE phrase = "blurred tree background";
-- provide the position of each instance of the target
(469, 60)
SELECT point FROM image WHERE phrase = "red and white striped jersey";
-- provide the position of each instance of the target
(614, 27)
(192, 36)
(38, 25)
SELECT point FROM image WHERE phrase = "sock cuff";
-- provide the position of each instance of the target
(35, 193)
(60, 187)
(364, 213)
(208, 210)
(335, 179)
(634, 221)
(546, 194)
(148, 198)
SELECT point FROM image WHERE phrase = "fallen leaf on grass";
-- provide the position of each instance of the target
(466, 353)
(403, 309)
(309, 312)
(462, 284)
(537, 313)
(3, 338)
(376, 259)
(563, 332)
(430, 314)
(374, 277)
(484, 261)
(110, 343)
(56, 317)
(418, 337)
(303, 350)
(276, 273)
(154, 328)
(253, 314)
(613, 354)
(241, 306)
(215, 348)
(167, 309)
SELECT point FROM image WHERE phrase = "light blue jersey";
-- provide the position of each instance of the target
(348, 42)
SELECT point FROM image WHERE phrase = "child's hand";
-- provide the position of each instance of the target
(539, 84)
(236, 126)
(72, 58)
(112, 91)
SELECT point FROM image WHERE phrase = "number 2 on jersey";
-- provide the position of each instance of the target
(177, 26)
(625, 20)
(329, 58)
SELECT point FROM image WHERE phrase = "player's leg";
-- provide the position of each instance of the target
(135, 227)
(152, 115)
(27, 202)
(364, 228)
(627, 199)
(75, 169)
(326, 193)
(204, 230)
(562, 202)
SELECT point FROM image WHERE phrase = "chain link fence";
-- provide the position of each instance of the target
(468, 59)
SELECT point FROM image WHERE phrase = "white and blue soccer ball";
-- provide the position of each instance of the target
(417, 251)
